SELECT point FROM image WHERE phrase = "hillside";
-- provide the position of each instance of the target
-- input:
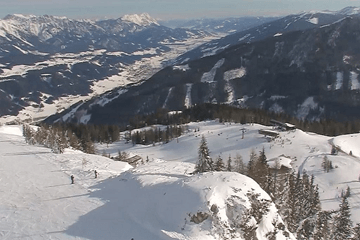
(47, 63)
(301, 151)
(159, 200)
(309, 74)
(290, 23)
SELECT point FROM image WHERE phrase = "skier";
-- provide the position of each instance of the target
(72, 179)
(96, 174)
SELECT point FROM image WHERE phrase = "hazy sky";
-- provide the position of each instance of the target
(168, 9)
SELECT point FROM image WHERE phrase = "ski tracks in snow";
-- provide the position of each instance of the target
(37, 200)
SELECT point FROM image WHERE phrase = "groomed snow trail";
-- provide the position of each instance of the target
(37, 200)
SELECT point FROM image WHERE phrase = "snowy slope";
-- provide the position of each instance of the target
(305, 150)
(37, 200)
(159, 200)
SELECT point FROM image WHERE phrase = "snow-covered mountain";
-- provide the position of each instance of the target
(298, 150)
(301, 21)
(310, 74)
(220, 26)
(159, 200)
(47, 58)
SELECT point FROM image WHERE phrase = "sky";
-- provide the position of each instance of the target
(168, 9)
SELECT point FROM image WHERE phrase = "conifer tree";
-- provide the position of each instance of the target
(322, 225)
(305, 197)
(305, 229)
(219, 164)
(204, 163)
(251, 171)
(239, 165)
(261, 171)
(356, 232)
(290, 209)
(342, 225)
(229, 164)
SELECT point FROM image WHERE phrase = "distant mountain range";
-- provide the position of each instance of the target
(309, 74)
(296, 22)
(49, 62)
(45, 57)
(219, 26)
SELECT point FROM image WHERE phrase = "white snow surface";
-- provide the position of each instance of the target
(154, 201)
(276, 108)
(143, 19)
(235, 73)
(279, 162)
(306, 150)
(306, 106)
(348, 143)
(277, 97)
(37, 200)
(208, 77)
(339, 80)
(188, 102)
(231, 75)
(167, 97)
(183, 68)
(354, 81)
(314, 20)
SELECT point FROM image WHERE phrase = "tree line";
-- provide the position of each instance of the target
(155, 134)
(295, 195)
(57, 138)
(226, 113)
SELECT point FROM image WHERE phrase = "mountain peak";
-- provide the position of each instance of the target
(18, 16)
(350, 10)
(143, 19)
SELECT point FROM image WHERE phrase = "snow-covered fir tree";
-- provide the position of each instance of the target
(229, 166)
(239, 165)
(322, 225)
(342, 225)
(219, 164)
(251, 170)
(204, 163)
(356, 232)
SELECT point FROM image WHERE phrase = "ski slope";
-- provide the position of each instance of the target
(305, 150)
(37, 199)
(155, 201)
(159, 199)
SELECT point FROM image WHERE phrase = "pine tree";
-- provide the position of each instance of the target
(261, 171)
(322, 225)
(305, 198)
(204, 163)
(239, 165)
(87, 145)
(229, 164)
(342, 225)
(251, 171)
(305, 229)
(219, 164)
(290, 209)
(356, 232)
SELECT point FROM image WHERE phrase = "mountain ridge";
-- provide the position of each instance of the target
(309, 74)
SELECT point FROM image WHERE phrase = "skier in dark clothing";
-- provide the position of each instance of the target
(72, 179)
(96, 174)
